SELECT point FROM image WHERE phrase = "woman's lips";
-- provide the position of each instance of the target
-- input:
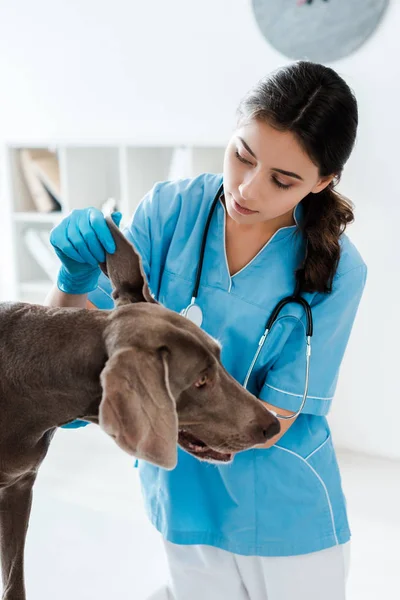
(241, 210)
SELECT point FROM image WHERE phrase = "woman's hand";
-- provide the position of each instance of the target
(81, 241)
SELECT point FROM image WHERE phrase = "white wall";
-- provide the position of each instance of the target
(174, 71)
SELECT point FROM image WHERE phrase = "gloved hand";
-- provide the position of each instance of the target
(75, 424)
(80, 242)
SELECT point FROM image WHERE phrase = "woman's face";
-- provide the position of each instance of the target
(266, 174)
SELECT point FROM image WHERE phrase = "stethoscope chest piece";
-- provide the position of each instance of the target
(194, 313)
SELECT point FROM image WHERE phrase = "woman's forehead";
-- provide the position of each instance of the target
(274, 148)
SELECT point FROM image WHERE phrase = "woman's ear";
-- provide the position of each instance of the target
(322, 184)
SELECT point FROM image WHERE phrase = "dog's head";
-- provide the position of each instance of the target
(164, 383)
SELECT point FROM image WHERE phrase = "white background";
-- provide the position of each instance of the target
(161, 71)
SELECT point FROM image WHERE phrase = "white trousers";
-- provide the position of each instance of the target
(205, 572)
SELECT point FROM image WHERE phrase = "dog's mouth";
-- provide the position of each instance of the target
(200, 450)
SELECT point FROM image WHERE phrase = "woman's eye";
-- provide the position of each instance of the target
(242, 159)
(280, 185)
(202, 381)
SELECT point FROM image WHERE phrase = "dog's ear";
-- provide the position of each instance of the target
(125, 271)
(137, 408)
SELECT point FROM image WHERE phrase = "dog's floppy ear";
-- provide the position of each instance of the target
(137, 408)
(125, 270)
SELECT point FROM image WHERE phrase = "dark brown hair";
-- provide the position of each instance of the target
(315, 104)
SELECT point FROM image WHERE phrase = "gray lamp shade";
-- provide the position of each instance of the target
(318, 30)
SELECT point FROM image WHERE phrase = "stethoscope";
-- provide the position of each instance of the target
(194, 313)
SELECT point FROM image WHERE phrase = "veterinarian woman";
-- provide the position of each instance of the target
(272, 524)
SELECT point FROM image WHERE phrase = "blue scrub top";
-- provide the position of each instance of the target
(288, 499)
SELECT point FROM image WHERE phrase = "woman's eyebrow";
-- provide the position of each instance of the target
(288, 173)
(249, 150)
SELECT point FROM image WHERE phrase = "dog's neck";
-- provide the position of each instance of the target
(53, 376)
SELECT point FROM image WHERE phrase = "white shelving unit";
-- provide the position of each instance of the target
(89, 176)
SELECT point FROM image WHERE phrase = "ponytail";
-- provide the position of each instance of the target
(326, 216)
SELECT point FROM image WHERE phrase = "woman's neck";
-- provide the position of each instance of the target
(243, 242)
(263, 230)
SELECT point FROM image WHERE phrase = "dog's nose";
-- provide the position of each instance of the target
(272, 430)
(266, 429)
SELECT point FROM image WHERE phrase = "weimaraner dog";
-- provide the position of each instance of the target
(149, 377)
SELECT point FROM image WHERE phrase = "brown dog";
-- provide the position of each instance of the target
(148, 376)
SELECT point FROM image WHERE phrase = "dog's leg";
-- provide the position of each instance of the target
(15, 507)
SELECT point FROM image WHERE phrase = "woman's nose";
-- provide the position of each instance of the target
(248, 190)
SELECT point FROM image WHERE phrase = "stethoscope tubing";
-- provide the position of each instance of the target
(295, 298)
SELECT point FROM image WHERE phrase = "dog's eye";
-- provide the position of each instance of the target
(202, 381)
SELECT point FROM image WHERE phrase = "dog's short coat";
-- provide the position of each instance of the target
(149, 377)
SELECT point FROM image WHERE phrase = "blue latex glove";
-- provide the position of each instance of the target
(80, 242)
(75, 424)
